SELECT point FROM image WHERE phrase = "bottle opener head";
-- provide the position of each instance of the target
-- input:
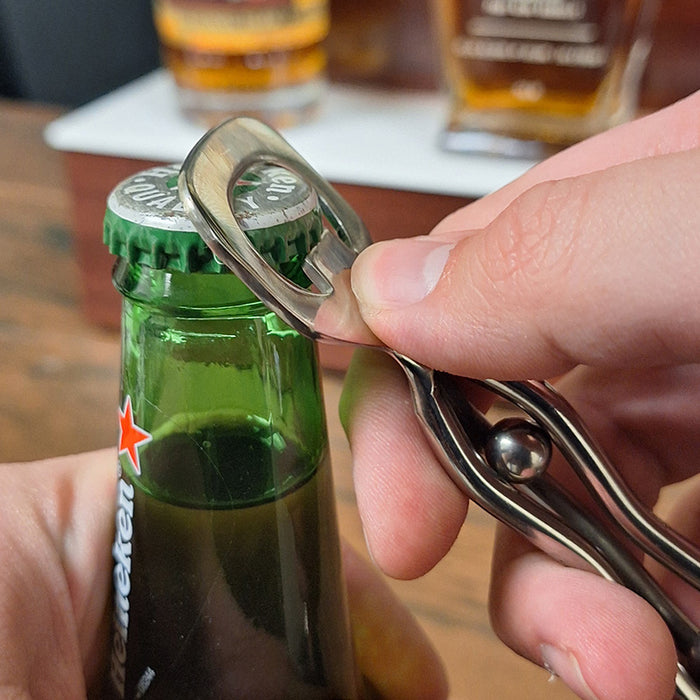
(329, 310)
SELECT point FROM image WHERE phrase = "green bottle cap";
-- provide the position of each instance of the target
(145, 221)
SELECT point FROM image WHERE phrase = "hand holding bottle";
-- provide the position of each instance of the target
(585, 268)
(56, 528)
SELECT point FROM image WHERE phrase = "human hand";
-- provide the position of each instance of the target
(56, 532)
(586, 269)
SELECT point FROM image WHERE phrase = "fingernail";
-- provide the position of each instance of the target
(393, 274)
(564, 665)
(369, 548)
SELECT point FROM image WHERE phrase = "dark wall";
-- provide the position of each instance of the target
(68, 52)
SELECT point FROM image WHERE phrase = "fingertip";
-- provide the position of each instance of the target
(602, 639)
(411, 511)
(408, 533)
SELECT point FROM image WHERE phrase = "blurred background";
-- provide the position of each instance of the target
(71, 51)
(67, 52)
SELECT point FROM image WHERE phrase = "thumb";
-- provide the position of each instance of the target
(599, 269)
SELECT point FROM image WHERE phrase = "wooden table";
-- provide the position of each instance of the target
(59, 395)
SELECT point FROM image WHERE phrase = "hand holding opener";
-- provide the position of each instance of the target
(501, 467)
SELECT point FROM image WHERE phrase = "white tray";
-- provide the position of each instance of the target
(363, 137)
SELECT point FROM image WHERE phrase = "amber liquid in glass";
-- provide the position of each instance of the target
(262, 58)
(544, 72)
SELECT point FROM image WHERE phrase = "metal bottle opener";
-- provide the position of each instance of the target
(501, 467)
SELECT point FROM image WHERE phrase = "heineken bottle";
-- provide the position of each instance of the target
(227, 573)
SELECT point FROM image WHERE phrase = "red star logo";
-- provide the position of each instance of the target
(130, 435)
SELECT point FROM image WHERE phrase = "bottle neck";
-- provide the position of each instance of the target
(207, 368)
(189, 294)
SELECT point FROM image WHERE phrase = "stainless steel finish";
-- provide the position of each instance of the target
(517, 491)
(220, 158)
(518, 449)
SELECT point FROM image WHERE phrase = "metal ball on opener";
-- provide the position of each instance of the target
(518, 449)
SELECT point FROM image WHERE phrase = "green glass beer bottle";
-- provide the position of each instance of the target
(227, 573)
